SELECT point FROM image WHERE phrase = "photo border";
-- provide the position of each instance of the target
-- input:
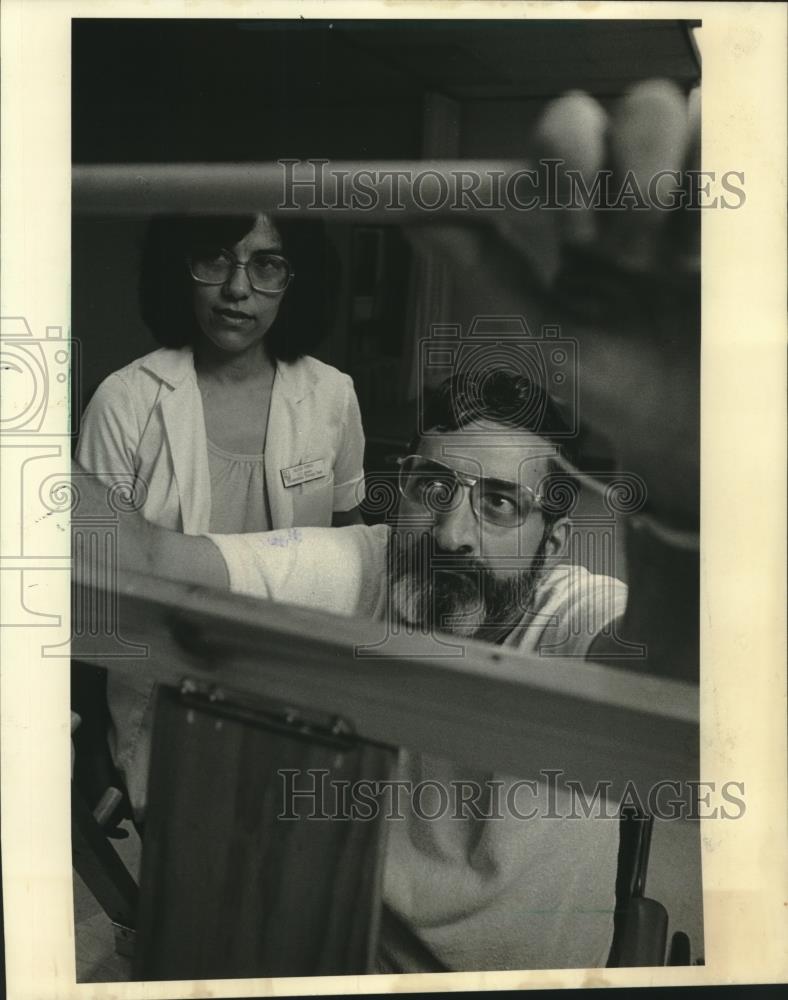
(743, 593)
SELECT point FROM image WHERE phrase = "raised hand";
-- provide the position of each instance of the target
(621, 275)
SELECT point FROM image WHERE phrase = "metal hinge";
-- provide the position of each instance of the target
(325, 728)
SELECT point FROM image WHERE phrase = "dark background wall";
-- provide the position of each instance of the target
(194, 90)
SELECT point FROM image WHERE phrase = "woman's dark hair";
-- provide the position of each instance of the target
(166, 288)
(512, 401)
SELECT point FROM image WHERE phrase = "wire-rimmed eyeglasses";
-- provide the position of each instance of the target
(435, 487)
(267, 272)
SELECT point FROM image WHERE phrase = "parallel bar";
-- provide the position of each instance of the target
(377, 191)
(477, 704)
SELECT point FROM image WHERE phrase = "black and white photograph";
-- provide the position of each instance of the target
(371, 444)
(452, 389)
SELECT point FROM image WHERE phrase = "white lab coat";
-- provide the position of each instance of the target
(146, 422)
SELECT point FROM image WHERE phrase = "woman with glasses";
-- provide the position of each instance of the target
(230, 427)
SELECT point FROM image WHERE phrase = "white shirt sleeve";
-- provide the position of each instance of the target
(340, 570)
(571, 609)
(108, 435)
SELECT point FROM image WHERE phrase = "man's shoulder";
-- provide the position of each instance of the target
(567, 584)
(571, 606)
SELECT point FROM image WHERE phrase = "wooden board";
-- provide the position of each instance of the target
(475, 703)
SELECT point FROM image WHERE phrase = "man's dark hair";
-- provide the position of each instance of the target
(166, 288)
(512, 401)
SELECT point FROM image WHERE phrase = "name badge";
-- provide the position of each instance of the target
(305, 473)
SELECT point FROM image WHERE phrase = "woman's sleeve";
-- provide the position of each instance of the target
(349, 462)
(108, 436)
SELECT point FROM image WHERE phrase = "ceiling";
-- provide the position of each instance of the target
(149, 89)
(517, 59)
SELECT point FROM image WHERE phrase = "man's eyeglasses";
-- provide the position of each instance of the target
(267, 272)
(435, 487)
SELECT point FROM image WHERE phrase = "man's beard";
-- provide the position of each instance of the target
(432, 590)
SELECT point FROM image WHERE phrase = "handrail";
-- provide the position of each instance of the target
(486, 705)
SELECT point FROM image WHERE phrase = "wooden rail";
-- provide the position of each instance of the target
(385, 191)
(476, 703)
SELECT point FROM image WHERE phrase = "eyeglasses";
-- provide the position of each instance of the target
(267, 272)
(435, 487)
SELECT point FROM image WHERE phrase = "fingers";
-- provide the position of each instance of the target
(573, 132)
(620, 173)
(649, 140)
(693, 125)
(685, 233)
(650, 134)
(573, 129)
(618, 180)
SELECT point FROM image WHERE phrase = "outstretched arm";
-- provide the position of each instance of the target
(144, 547)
